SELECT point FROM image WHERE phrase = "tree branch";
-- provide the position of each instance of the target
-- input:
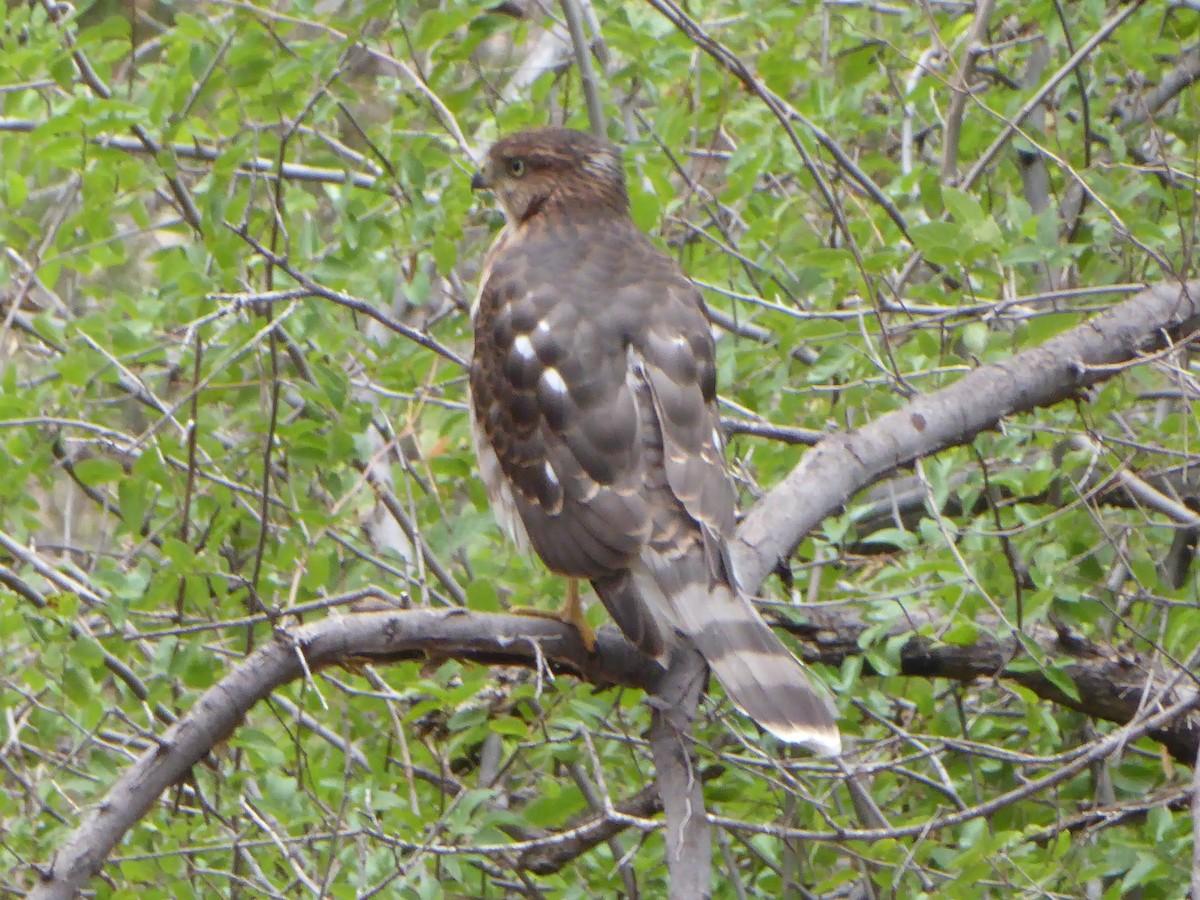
(1196, 827)
(267, 168)
(689, 845)
(1145, 723)
(824, 480)
(845, 462)
(587, 72)
(961, 88)
(589, 831)
(1109, 684)
(361, 638)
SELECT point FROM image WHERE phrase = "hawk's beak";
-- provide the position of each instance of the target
(480, 182)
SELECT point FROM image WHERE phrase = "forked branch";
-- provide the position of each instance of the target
(825, 479)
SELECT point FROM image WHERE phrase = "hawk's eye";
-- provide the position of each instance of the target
(516, 167)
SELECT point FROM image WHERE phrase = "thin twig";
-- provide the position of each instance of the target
(961, 88)
(88, 75)
(587, 72)
(1012, 123)
(1101, 749)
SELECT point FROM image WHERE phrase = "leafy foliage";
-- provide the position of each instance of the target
(225, 224)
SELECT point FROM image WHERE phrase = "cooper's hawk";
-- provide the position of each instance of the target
(594, 390)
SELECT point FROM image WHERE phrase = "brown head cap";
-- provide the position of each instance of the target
(553, 169)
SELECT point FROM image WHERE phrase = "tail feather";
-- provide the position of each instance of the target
(759, 674)
(633, 616)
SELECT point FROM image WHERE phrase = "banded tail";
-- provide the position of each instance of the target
(757, 670)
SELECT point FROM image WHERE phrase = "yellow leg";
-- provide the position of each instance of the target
(571, 613)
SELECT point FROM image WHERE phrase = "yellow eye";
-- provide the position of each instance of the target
(516, 167)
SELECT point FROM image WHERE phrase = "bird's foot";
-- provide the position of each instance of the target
(571, 613)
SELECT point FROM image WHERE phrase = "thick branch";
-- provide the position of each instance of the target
(1108, 684)
(552, 856)
(677, 776)
(826, 478)
(364, 637)
(1196, 828)
(845, 462)
(1170, 86)
(583, 832)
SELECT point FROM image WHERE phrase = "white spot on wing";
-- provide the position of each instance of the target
(588, 490)
(543, 327)
(551, 475)
(554, 381)
(523, 347)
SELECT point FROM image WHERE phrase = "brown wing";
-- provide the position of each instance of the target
(594, 385)
(686, 560)
(676, 359)
(551, 395)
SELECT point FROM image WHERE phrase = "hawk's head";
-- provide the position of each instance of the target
(549, 169)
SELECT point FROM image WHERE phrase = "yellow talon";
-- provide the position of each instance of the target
(571, 613)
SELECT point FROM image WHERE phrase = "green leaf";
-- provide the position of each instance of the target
(975, 337)
(964, 207)
(15, 189)
(903, 540)
(1061, 679)
(939, 242)
(98, 470)
(962, 633)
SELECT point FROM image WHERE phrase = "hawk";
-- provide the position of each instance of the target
(594, 417)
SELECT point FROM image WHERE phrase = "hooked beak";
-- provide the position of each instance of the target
(480, 182)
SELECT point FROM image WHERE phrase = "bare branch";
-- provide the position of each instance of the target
(182, 200)
(365, 637)
(961, 88)
(1109, 815)
(552, 856)
(255, 166)
(844, 462)
(689, 845)
(1013, 123)
(1100, 749)
(784, 112)
(1109, 684)
(824, 480)
(1196, 827)
(1141, 491)
(587, 72)
(1174, 82)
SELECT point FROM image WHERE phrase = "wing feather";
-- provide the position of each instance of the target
(593, 388)
(678, 361)
(688, 560)
(550, 391)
